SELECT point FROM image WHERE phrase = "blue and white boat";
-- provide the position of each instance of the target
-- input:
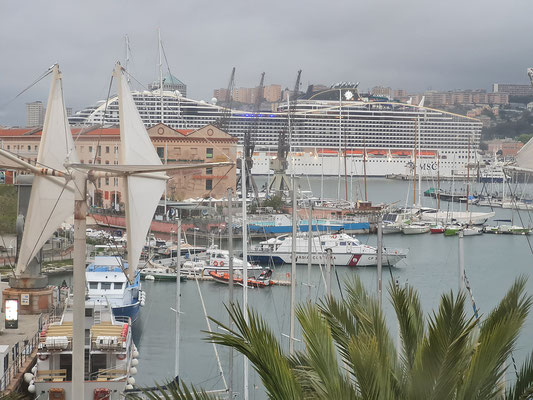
(107, 284)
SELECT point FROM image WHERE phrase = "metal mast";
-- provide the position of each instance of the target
(160, 71)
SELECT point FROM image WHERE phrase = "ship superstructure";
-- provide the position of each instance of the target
(327, 136)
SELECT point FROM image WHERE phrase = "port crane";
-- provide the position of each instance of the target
(223, 122)
(280, 181)
(249, 145)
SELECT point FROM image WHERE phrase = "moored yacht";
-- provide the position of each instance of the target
(107, 283)
(345, 251)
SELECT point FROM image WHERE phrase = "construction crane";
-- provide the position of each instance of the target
(223, 122)
(280, 181)
(249, 145)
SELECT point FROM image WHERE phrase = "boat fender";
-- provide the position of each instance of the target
(31, 388)
(134, 362)
(133, 370)
(221, 263)
(135, 353)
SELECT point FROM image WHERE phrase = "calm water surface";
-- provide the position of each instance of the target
(492, 263)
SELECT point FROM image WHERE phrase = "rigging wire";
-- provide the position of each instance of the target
(44, 75)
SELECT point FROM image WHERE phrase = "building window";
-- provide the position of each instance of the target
(107, 149)
(107, 162)
(8, 147)
(117, 285)
(209, 171)
(93, 285)
(29, 148)
(105, 285)
(209, 152)
(161, 152)
(36, 147)
(99, 151)
(107, 181)
(90, 149)
(116, 149)
(209, 184)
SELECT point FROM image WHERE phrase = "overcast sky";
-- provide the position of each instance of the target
(415, 45)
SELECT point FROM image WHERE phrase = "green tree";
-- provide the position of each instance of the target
(350, 354)
(276, 202)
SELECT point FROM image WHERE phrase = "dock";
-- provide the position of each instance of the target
(19, 347)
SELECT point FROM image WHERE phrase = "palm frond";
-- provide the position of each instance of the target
(257, 342)
(444, 354)
(406, 303)
(320, 361)
(523, 387)
(497, 339)
(172, 391)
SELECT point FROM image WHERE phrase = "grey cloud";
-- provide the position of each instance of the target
(413, 44)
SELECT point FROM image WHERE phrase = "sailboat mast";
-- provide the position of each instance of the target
(178, 302)
(78, 323)
(309, 249)
(364, 166)
(414, 169)
(230, 270)
(244, 264)
(293, 269)
(340, 147)
(127, 56)
(438, 181)
(468, 175)
(419, 172)
(160, 71)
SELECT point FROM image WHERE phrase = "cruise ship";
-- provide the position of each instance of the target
(334, 132)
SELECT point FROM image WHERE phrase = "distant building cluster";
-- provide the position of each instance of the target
(433, 98)
(271, 94)
(505, 147)
(512, 89)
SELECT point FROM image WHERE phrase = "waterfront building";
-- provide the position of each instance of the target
(174, 146)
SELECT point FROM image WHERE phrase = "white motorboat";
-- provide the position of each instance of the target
(472, 231)
(415, 228)
(461, 217)
(345, 251)
(391, 227)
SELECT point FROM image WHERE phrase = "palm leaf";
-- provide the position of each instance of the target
(172, 391)
(444, 354)
(321, 372)
(257, 342)
(523, 387)
(406, 303)
(497, 339)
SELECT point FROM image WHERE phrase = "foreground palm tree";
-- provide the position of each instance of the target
(349, 352)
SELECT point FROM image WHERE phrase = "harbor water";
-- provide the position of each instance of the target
(492, 262)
